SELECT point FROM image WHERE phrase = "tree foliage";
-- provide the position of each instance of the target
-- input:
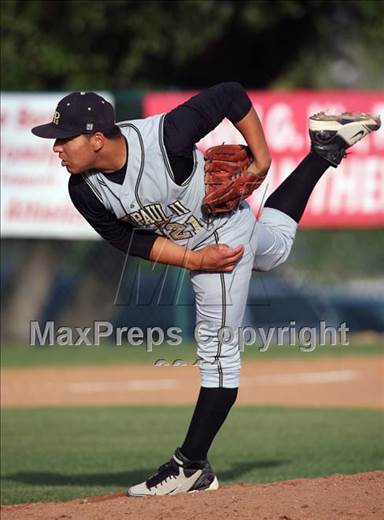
(116, 44)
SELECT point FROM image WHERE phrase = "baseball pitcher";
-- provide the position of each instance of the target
(146, 189)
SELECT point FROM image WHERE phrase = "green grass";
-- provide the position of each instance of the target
(57, 454)
(14, 356)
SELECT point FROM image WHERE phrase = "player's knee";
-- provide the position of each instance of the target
(220, 371)
(267, 262)
(279, 261)
(223, 377)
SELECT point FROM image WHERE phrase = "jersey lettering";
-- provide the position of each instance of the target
(177, 231)
(177, 208)
(194, 223)
(156, 212)
(154, 215)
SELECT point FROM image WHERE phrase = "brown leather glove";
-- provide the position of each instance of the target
(227, 179)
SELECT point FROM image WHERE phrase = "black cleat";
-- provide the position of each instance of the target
(179, 475)
(332, 135)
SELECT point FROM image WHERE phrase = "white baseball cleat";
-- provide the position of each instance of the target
(331, 135)
(179, 475)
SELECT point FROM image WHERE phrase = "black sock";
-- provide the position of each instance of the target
(292, 195)
(212, 408)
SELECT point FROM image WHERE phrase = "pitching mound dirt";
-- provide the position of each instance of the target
(352, 497)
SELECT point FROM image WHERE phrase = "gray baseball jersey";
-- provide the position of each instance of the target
(149, 198)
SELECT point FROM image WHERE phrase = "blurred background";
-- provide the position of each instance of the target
(147, 57)
(300, 414)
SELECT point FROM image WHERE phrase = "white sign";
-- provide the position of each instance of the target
(34, 186)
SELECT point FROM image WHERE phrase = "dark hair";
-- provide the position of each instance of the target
(110, 134)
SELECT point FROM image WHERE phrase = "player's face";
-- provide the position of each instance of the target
(76, 153)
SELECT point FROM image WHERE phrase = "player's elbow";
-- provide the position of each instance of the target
(276, 255)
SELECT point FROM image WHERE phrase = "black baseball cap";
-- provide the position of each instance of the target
(78, 113)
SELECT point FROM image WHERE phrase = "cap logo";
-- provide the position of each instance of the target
(89, 126)
(56, 118)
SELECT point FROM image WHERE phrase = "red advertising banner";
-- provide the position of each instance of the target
(351, 195)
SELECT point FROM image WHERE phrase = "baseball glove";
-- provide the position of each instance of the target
(227, 179)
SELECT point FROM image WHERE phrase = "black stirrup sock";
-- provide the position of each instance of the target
(211, 410)
(292, 195)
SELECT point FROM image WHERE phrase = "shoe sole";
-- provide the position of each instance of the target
(322, 121)
(212, 487)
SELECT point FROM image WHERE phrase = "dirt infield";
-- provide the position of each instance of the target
(348, 382)
(352, 497)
